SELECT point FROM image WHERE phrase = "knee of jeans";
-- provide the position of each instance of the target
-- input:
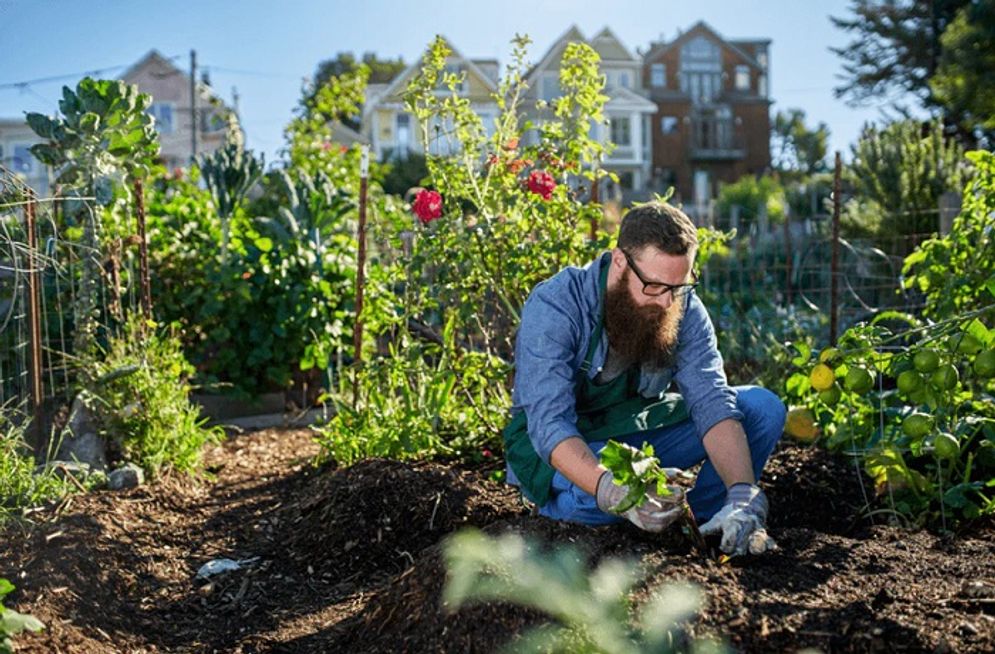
(764, 409)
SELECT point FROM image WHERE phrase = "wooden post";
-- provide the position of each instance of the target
(787, 254)
(835, 262)
(143, 251)
(34, 320)
(357, 332)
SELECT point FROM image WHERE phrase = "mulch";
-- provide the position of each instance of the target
(350, 560)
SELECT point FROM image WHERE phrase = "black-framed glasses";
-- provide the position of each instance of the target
(656, 289)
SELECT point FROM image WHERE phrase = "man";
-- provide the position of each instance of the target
(596, 350)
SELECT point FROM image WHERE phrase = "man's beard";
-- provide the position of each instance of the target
(641, 334)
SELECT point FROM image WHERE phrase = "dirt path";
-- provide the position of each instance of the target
(348, 560)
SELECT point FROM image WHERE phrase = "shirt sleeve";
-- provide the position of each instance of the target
(700, 376)
(545, 348)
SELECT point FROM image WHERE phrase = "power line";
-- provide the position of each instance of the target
(58, 78)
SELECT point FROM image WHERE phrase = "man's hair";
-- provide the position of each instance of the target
(661, 225)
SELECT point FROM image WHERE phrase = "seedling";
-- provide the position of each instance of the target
(640, 470)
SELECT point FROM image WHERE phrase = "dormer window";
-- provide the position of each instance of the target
(742, 78)
(701, 70)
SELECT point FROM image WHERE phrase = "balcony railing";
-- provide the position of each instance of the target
(715, 138)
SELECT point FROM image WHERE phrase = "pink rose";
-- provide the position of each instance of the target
(427, 206)
(541, 183)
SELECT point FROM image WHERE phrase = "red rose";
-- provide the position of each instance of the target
(541, 183)
(427, 206)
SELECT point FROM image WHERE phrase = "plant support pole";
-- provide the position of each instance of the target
(834, 266)
(143, 251)
(357, 332)
(34, 318)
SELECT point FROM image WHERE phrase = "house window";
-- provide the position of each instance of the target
(762, 86)
(742, 78)
(403, 133)
(701, 69)
(658, 75)
(668, 124)
(623, 79)
(550, 86)
(621, 131)
(22, 161)
(163, 114)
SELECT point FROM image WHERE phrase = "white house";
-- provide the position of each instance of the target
(627, 109)
(393, 132)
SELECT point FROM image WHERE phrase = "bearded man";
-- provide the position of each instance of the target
(596, 351)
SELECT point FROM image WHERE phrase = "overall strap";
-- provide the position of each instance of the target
(585, 367)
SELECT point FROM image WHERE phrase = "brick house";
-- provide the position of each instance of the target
(712, 123)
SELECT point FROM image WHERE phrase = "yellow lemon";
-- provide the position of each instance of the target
(800, 424)
(822, 377)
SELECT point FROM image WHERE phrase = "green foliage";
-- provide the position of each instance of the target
(797, 150)
(929, 444)
(753, 196)
(402, 174)
(13, 623)
(376, 70)
(637, 469)
(140, 389)
(592, 610)
(965, 80)
(904, 169)
(103, 129)
(895, 48)
(229, 173)
(20, 486)
(103, 138)
(282, 298)
(431, 400)
(957, 272)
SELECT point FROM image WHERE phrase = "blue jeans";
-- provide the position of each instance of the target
(678, 446)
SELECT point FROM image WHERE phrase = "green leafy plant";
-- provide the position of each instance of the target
(13, 623)
(592, 612)
(229, 173)
(637, 469)
(21, 484)
(103, 138)
(140, 388)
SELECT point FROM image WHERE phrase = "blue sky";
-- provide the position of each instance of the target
(265, 48)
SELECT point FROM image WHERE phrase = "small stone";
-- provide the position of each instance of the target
(127, 476)
(968, 628)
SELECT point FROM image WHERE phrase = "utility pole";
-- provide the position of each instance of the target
(193, 105)
(234, 100)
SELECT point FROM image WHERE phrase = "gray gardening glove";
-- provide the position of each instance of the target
(742, 522)
(654, 515)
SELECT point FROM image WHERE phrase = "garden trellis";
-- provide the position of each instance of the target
(36, 334)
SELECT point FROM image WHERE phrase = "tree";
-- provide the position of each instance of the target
(904, 168)
(965, 79)
(896, 48)
(797, 150)
(380, 71)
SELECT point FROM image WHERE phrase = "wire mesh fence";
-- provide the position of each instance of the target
(43, 286)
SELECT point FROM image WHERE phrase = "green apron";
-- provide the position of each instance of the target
(604, 411)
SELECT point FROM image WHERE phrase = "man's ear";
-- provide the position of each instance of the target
(618, 258)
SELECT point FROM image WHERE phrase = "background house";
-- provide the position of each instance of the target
(169, 87)
(712, 123)
(15, 139)
(628, 111)
(393, 132)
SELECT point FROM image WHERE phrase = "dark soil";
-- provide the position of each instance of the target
(349, 561)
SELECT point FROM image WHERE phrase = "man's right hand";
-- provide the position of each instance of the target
(655, 514)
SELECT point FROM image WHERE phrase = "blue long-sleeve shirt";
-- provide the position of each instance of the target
(557, 325)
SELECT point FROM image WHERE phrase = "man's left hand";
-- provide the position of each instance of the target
(742, 522)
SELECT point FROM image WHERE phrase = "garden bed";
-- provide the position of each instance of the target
(349, 560)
